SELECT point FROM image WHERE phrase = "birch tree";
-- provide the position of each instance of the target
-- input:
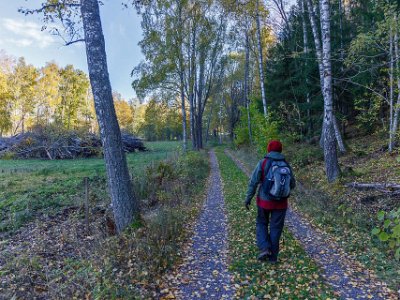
(330, 154)
(305, 52)
(183, 44)
(395, 122)
(319, 54)
(260, 58)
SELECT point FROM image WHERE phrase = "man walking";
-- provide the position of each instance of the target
(276, 179)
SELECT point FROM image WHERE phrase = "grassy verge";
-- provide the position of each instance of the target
(57, 259)
(32, 187)
(295, 277)
(348, 215)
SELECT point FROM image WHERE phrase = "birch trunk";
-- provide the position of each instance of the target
(192, 87)
(321, 67)
(221, 104)
(124, 204)
(391, 94)
(246, 85)
(317, 40)
(183, 109)
(397, 106)
(200, 96)
(330, 153)
(208, 122)
(182, 82)
(260, 58)
(305, 51)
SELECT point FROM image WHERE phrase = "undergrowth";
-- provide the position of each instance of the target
(296, 276)
(55, 258)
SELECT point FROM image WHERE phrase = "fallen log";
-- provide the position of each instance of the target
(373, 186)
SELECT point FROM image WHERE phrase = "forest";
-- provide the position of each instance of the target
(219, 82)
(62, 98)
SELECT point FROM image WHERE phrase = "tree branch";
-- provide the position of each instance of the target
(75, 41)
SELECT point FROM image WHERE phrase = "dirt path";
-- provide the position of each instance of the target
(204, 271)
(349, 278)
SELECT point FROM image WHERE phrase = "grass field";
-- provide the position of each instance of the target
(31, 187)
(53, 256)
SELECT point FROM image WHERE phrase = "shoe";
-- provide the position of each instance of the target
(273, 261)
(264, 255)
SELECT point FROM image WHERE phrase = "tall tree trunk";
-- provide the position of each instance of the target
(246, 85)
(319, 54)
(260, 58)
(23, 124)
(221, 104)
(182, 81)
(305, 51)
(317, 40)
(183, 109)
(341, 35)
(199, 129)
(200, 96)
(192, 89)
(208, 122)
(397, 106)
(330, 153)
(124, 204)
(391, 94)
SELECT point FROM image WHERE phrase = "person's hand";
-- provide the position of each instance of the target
(247, 204)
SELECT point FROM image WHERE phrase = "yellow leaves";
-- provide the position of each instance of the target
(168, 294)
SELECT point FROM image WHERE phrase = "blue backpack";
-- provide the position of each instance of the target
(276, 177)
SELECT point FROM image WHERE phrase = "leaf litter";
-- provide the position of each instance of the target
(348, 277)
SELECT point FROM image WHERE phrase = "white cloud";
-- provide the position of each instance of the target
(26, 34)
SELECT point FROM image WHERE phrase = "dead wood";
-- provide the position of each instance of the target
(374, 186)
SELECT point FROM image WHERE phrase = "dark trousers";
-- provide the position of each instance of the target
(268, 238)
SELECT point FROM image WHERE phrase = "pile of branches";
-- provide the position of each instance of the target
(47, 143)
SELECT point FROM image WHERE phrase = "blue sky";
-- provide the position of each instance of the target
(21, 36)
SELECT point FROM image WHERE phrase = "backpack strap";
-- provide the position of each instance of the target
(266, 164)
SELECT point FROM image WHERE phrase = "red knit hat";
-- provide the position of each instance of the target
(274, 145)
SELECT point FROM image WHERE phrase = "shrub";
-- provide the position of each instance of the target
(263, 129)
(389, 230)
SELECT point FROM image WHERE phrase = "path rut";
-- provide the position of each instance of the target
(349, 278)
(204, 272)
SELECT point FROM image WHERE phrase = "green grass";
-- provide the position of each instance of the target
(295, 277)
(29, 187)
